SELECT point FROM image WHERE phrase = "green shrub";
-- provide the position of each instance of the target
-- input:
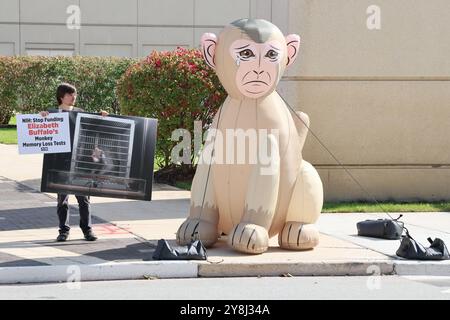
(175, 87)
(28, 84)
(9, 70)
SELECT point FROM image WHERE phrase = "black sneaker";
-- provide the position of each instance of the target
(90, 236)
(63, 236)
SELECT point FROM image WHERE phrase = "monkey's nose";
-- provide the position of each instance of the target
(258, 73)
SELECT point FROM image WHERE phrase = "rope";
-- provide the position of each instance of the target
(337, 161)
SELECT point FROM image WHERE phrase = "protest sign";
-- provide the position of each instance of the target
(36, 134)
(110, 157)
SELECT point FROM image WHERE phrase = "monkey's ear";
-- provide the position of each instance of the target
(293, 44)
(209, 41)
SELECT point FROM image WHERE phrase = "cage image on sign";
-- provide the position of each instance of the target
(101, 156)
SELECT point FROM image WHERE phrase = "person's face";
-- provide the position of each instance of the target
(69, 99)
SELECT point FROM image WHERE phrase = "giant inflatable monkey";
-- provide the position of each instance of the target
(240, 199)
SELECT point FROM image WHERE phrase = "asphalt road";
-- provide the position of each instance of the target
(269, 288)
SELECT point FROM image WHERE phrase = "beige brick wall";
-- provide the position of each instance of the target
(378, 99)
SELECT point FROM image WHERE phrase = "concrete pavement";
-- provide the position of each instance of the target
(128, 231)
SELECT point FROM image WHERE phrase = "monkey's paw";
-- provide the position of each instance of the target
(249, 238)
(298, 236)
(195, 229)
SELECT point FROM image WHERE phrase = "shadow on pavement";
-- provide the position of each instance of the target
(36, 218)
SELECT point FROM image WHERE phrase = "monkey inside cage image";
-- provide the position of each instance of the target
(111, 157)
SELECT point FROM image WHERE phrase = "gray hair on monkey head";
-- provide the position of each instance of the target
(258, 30)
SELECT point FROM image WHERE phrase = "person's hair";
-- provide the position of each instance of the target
(64, 88)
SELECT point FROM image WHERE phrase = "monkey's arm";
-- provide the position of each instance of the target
(262, 193)
(251, 234)
(204, 213)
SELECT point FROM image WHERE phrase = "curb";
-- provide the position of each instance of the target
(187, 269)
(415, 268)
(94, 272)
(195, 269)
(310, 268)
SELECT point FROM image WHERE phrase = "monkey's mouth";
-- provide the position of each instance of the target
(256, 86)
(255, 83)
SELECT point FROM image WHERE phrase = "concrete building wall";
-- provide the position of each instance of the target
(379, 100)
(117, 27)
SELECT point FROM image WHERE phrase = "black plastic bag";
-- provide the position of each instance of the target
(391, 229)
(193, 251)
(411, 249)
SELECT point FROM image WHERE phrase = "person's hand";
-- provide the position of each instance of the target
(104, 113)
(44, 113)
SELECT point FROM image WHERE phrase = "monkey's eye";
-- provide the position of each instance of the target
(272, 54)
(246, 54)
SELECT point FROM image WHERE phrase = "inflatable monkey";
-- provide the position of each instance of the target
(242, 200)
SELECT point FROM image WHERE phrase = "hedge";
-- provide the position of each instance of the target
(177, 88)
(28, 84)
(174, 87)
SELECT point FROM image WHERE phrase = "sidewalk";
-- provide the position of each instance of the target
(128, 231)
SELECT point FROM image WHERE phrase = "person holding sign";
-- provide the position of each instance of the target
(66, 94)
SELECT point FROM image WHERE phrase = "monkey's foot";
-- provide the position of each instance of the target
(298, 236)
(195, 229)
(249, 238)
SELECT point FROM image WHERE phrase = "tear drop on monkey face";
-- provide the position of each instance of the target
(258, 66)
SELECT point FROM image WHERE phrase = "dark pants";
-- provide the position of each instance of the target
(63, 212)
